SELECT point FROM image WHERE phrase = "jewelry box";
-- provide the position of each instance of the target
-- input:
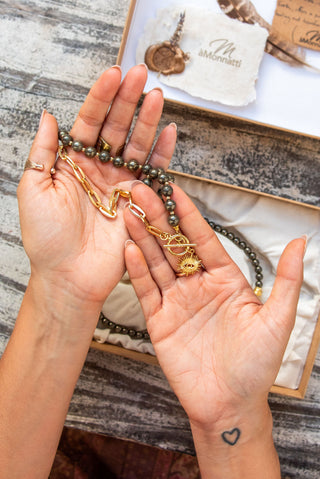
(263, 216)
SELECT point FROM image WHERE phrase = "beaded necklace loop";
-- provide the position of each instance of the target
(177, 244)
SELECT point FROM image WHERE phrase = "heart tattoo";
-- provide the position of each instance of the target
(231, 437)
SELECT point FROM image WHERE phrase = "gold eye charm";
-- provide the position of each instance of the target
(189, 264)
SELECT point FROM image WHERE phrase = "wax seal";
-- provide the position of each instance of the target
(167, 57)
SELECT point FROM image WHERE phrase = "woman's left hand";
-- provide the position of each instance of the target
(69, 242)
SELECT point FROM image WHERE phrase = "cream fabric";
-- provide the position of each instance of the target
(267, 224)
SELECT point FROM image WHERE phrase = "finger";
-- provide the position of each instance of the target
(93, 112)
(142, 281)
(44, 148)
(159, 267)
(143, 135)
(284, 297)
(117, 124)
(164, 147)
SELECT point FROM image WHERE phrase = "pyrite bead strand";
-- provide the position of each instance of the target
(105, 323)
(151, 173)
(246, 249)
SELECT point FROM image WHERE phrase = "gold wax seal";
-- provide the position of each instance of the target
(167, 57)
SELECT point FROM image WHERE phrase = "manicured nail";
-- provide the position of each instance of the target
(128, 242)
(143, 65)
(117, 67)
(174, 125)
(43, 114)
(135, 183)
(305, 238)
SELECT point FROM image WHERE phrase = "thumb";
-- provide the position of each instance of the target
(282, 303)
(43, 150)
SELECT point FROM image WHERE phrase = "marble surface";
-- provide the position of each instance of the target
(51, 52)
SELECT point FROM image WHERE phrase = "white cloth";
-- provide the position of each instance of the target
(267, 224)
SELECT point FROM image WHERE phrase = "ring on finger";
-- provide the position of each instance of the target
(31, 165)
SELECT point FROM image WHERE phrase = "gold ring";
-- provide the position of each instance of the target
(31, 165)
(103, 145)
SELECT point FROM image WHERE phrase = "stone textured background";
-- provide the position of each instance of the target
(51, 52)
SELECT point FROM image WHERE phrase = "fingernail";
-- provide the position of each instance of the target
(143, 65)
(174, 125)
(43, 114)
(159, 89)
(135, 183)
(117, 67)
(305, 238)
(128, 242)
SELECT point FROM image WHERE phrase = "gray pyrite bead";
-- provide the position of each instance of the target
(133, 165)
(147, 181)
(90, 151)
(153, 173)
(66, 140)
(118, 162)
(173, 220)
(104, 156)
(77, 145)
(167, 190)
(170, 205)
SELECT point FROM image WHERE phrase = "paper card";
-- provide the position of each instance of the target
(224, 54)
(299, 22)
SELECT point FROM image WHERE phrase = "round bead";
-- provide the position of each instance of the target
(236, 240)
(124, 330)
(230, 236)
(170, 205)
(211, 223)
(66, 139)
(133, 165)
(139, 335)
(258, 291)
(258, 284)
(117, 329)
(247, 250)
(163, 178)
(224, 232)
(171, 177)
(111, 325)
(104, 156)
(77, 145)
(173, 220)
(259, 276)
(167, 190)
(242, 245)
(160, 171)
(146, 335)
(147, 181)
(153, 173)
(62, 133)
(252, 255)
(118, 161)
(217, 228)
(90, 151)
(132, 333)
(145, 169)
(258, 269)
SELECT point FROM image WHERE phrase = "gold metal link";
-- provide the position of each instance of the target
(94, 198)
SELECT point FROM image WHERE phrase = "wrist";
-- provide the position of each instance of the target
(238, 444)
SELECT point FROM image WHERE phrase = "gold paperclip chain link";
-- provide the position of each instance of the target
(188, 264)
(108, 211)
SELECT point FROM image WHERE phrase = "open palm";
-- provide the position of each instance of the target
(66, 238)
(215, 341)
